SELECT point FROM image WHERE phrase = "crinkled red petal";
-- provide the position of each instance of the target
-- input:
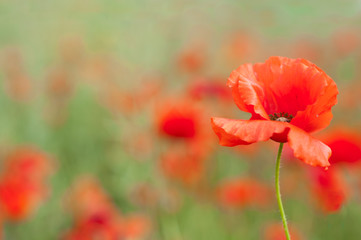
(242, 132)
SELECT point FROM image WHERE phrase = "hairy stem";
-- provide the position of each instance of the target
(278, 192)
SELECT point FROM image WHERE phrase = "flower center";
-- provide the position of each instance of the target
(281, 117)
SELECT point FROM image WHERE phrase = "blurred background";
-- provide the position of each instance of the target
(105, 126)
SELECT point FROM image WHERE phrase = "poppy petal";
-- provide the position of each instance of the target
(318, 115)
(308, 149)
(242, 132)
(247, 92)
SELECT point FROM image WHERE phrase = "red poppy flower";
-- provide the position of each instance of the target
(97, 218)
(22, 185)
(28, 164)
(144, 195)
(309, 48)
(177, 121)
(345, 145)
(209, 88)
(276, 232)
(243, 192)
(192, 59)
(288, 100)
(17, 81)
(99, 225)
(185, 121)
(134, 227)
(350, 97)
(328, 187)
(87, 198)
(94, 214)
(240, 45)
(183, 165)
(346, 41)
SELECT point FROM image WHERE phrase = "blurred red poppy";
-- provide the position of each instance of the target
(22, 185)
(97, 226)
(288, 99)
(328, 187)
(71, 50)
(239, 46)
(345, 145)
(184, 121)
(59, 83)
(243, 192)
(97, 218)
(18, 84)
(178, 120)
(276, 232)
(202, 88)
(192, 59)
(346, 41)
(183, 165)
(309, 48)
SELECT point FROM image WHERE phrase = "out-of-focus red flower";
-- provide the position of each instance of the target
(59, 83)
(129, 101)
(308, 49)
(97, 226)
(22, 186)
(288, 100)
(239, 46)
(276, 232)
(18, 198)
(346, 41)
(182, 120)
(178, 121)
(98, 70)
(350, 96)
(178, 125)
(59, 90)
(345, 145)
(148, 89)
(328, 187)
(182, 165)
(192, 59)
(134, 227)
(243, 192)
(144, 195)
(86, 198)
(97, 218)
(203, 88)
(141, 146)
(18, 82)
(71, 50)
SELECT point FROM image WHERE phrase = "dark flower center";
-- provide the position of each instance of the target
(281, 117)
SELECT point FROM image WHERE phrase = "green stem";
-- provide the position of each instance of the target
(278, 192)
